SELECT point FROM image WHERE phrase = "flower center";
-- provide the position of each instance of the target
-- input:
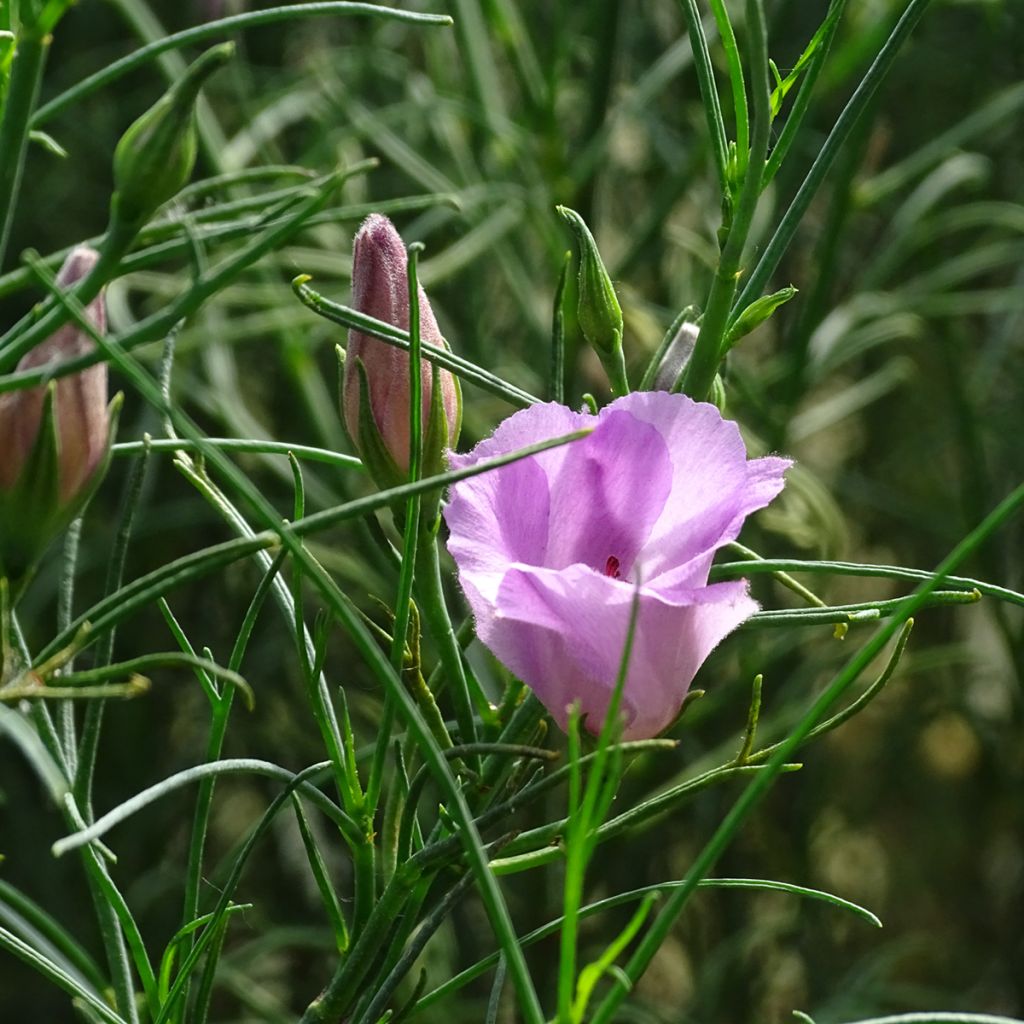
(611, 567)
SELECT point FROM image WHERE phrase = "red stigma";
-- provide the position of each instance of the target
(611, 567)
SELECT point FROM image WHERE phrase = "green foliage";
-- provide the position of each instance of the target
(386, 821)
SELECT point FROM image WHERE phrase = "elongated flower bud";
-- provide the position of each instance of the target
(54, 439)
(598, 312)
(376, 384)
(154, 159)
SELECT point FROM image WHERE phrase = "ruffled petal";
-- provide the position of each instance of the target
(610, 491)
(563, 632)
(714, 485)
(504, 516)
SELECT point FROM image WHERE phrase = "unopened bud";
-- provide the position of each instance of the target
(674, 361)
(154, 159)
(376, 385)
(598, 312)
(54, 439)
(677, 355)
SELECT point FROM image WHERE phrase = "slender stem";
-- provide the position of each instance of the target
(239, 444)
(784, 233)
(803, 97)
(439, 625)
(708, 93)
(731, 570)
(557, 389)
(65, 613)
(739, 88)
(22, 93)
(707, 352)
(575, 866)
(352, 318)
(217, 29)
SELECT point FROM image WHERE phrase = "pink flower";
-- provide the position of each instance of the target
(380, 288)
(550, 550)
(54, 439)
(80, 402)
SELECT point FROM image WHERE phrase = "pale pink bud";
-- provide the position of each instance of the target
(80, 401)
(380, 289)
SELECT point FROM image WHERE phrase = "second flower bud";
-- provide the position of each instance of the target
(376, 387)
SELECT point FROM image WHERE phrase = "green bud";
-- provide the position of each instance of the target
(154, 159)
(756, 314)
(599, 313)
(717, 394)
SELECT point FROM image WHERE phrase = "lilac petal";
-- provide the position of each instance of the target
(609, 492)
(562, 632)
(714, 485)
(585, 502)
(502, 517)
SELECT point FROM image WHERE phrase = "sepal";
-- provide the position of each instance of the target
(371, 447)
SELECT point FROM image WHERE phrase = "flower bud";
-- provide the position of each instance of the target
(676, 356)
(154, 159)
(674, 361)
(376, 385)
(598, 312)
(54, 439)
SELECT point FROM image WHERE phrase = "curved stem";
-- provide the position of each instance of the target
(707, 352)
(22, 93)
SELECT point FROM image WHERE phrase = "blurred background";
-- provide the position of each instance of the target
(894, 378)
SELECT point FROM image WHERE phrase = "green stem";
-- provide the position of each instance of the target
(731, 570)
(65, 612)
(736, 82)
(803, 97)
(95, 871)
(22, 93)
(439, 625)
(345, 987)
(829, 151)
(216, 30)
(703, 364)
(708, 93)
(240, 444)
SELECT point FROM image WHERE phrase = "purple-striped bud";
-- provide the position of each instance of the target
(381, 371)
(54, 439)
